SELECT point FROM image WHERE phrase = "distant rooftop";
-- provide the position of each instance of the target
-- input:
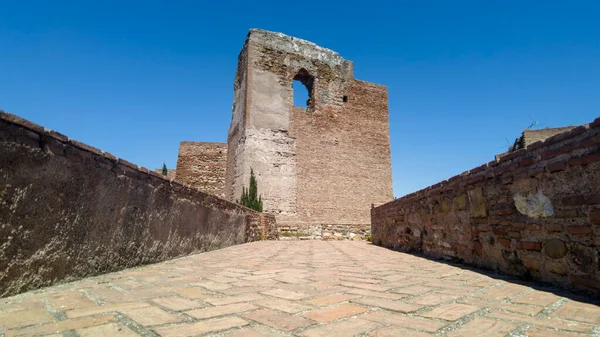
(529, 137)
(533, 136)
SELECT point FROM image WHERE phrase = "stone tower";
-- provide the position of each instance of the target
(324, 164)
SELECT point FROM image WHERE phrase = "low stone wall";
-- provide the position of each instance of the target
(268, 227)
(68, 210)
(325, 232)
(261, 226)
(534, 212)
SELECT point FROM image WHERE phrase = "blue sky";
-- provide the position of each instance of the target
(465, 77)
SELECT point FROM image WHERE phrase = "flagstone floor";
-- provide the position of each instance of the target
(299, 288)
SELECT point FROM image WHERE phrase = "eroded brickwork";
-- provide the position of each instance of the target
(322, 165)
(268, 226)
(534, 212)
(202, 165)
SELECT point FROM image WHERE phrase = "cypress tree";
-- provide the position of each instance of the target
(250, 197)
(164, 170)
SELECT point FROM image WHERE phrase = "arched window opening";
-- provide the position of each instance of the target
(303, 89)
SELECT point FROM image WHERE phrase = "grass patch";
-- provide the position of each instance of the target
(290, 234)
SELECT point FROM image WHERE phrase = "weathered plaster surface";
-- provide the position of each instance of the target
(68, 210)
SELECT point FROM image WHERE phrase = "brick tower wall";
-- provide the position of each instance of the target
(322, 165)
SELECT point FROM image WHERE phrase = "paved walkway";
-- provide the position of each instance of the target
(297, 288)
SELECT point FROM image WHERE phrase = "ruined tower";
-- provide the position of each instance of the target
(324, 164)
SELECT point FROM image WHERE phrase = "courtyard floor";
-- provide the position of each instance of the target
(299, 288)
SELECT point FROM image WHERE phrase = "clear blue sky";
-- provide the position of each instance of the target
(136, 77)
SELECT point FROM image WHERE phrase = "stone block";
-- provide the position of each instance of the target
(555, 248)
(478, 202)
(584, 258)
(445, 205)
(531, 263)
(459, 203)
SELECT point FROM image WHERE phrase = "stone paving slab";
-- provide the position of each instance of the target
(300, 288)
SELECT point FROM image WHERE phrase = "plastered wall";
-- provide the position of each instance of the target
(69, 210)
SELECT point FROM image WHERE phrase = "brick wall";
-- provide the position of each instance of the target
(170, 173)
(534, 212)
(69, 210)
(202, 165)
(343, 158)
(321, 165)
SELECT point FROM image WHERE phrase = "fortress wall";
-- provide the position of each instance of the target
(69, 210)
(202, 165)
(534, 213)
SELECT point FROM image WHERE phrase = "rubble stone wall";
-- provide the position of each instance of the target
(534, 212)
(325, 232)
